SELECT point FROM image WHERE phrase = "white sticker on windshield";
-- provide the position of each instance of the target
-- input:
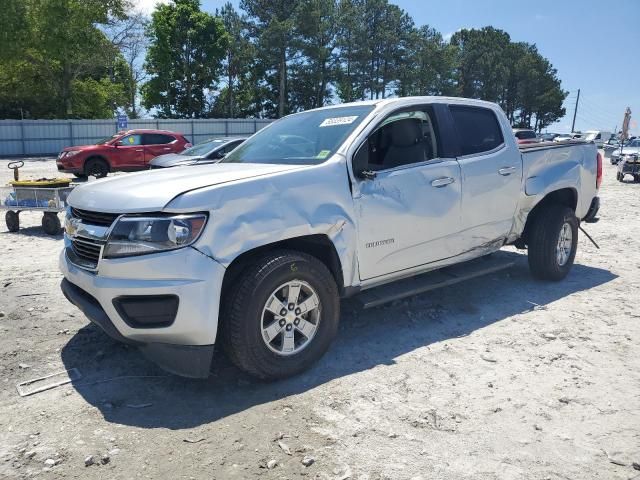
(330, 122)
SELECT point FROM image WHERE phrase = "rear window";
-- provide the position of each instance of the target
(478, 129)
(157, 139)
(525, 134)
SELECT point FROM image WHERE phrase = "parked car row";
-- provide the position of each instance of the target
(599, 137)
(141, 149)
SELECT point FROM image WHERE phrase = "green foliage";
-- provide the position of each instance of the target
(61, 64)
(184, 57)
(490, 67)
(269, 58)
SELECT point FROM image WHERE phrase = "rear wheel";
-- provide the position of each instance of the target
(96, 167)
(619, 176)
(281, 315)
(553, 240)
(12, 219)
(51, 223)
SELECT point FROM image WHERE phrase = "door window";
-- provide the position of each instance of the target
(157, 139)
(131, 140)
(478, 129)
(402, 139)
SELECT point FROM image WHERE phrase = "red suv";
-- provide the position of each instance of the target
(126, 151)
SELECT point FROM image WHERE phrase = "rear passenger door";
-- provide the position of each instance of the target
(157, 144)
(491, 175)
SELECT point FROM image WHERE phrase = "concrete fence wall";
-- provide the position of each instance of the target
(48, 137)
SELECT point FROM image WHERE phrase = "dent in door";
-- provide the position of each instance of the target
(405, 221)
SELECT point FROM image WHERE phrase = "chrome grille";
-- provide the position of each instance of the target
(94, 218)
(87, 250)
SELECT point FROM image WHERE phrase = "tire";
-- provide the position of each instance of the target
(96, 167)
(80, 175)
(544, 238)
(246, 315)
(51, 223)
(12, 219)
(619, 177)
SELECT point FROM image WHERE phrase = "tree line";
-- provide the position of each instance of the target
(266, 59)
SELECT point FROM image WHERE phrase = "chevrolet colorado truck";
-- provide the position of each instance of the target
(255, 252)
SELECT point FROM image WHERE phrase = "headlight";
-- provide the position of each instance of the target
(141, 235)
(71, 153)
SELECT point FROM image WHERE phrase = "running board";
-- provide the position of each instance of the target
(433, 280)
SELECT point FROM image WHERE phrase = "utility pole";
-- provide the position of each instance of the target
(575, 110)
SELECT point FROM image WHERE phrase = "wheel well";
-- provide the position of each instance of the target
(565, 196)
(318, 246)
(96, 157)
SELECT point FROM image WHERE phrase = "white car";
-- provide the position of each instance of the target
(599, 137)
(253, 253)
(629, 148)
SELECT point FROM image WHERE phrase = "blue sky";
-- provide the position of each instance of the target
(594, 45)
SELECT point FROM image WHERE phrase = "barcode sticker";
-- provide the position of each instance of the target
(330, 122)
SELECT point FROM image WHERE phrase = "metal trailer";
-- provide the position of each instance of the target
(629, 165)
(50, 201)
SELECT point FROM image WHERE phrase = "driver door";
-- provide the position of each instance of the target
(130, 152)
(408, 206)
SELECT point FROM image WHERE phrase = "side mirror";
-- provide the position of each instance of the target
(119, 143)
(360, 163)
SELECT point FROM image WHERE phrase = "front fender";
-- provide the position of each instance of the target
(251, 213)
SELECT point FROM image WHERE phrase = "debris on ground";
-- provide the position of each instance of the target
(307, 461)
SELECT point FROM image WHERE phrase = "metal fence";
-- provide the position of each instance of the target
(48, 137)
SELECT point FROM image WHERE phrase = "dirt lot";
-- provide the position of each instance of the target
(498, 378)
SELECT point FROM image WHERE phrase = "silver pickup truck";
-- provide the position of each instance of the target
(254, 253)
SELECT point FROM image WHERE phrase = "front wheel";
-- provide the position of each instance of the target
(281, 315)
(553, 240)
(96, 167)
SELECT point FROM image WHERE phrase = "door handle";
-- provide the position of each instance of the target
(167, 148)
(141, 150)
(442, 182)
(506, 171)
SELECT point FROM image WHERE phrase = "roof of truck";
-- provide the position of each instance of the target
(409, 100)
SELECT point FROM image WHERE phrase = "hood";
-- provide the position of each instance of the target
(151, 190)
(173, 159)
(82, 147)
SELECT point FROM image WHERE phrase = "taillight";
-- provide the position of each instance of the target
(599, 171)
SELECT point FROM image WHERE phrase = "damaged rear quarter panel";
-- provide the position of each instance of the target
(551, 169)
(254, 212)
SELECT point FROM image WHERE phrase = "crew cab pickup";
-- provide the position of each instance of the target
(253, 253)
(128, 151)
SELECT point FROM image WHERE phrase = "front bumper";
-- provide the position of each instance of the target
(185, 346)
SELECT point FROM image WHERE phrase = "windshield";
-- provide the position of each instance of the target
(106, 139)
(307, 138)
(203, 148)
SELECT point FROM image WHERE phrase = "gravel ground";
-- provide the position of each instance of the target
(501, 377)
